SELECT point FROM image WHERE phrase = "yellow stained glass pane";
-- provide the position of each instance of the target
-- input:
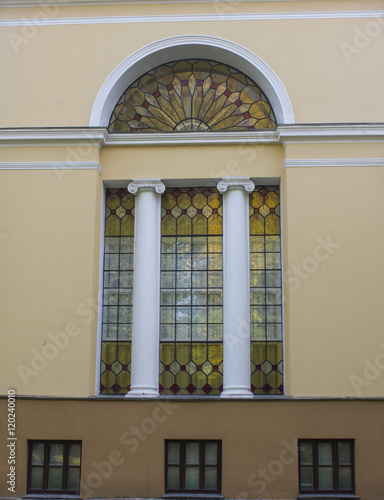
(134, 96)
(215, 379)
(164, 74)
(199, 379)
(127, 225)
(124, 352)
(215, 200)
(113, 201)
(256, 199)
(184, 225)
(186, 100)
(228, 122)
(183, 69)
(202, 69)
(199, 353)
(215, 224)
(196, 100)
(128, 201)
(199, 200)
(161, 116)
(199, 224)
(258, 352)
(275, 352)
(167, 379)
(108, 352)
(177, 104)
(272, 199)
(167, 353)
(256, 224)
(108, 378)
(220, 73)
(206, 103)
(168, 225)
(272, 224)
(259, 110)
(167, 108)
(148, 83)
(216, 106)
(183, 353)
(258, 379)
(215, 353)
(124, 378)
(182, 379)
(184, 200)
(168, 201)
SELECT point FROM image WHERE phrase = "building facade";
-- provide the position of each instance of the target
(192, 249)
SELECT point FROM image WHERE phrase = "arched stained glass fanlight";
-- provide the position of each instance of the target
(195, 95)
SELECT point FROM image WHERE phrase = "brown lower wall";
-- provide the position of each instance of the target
(123, 441)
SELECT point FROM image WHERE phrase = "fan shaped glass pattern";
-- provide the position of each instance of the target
(191, 317)
(266, 303)
(192, 95)
(118, 285)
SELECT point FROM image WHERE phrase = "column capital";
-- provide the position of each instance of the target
(235, 182)
(147, 185)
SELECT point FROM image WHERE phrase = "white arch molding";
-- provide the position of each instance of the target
(190, 47)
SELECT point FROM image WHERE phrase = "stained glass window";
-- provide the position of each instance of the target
(191, 330)
(266, 302)
(192, 94)
(118, 283)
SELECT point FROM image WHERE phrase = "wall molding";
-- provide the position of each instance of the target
(334, 162)
(64, 3)
(51, 165)
(43, 19)
(284, 134)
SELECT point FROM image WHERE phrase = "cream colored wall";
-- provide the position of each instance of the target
(334, 281)
(48, 239)
(53, 73)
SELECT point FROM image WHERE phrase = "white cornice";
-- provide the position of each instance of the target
(285, 134)
(46, 20)
(337, 132)
(50, 165)
(64, 3)
(53, 136)
(334, 162)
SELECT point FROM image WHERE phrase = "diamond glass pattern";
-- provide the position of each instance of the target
(192, 95)
(118, 281)
(266, 305)
(191, 329)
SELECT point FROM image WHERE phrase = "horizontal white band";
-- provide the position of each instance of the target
(50, 165)
(334, 162)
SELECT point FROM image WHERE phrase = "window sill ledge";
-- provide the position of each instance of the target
(47, 496)
(192, 495)
(328, 496)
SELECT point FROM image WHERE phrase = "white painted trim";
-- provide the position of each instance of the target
(192, 138)
(46, 20)
(284, 134)
(334, 162)
(331, 132)
(63, 3)
(186, 47)
(51, 165)
(100, 296)
(53, 136)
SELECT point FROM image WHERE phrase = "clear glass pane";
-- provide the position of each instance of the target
(306, 477)
(306, 453)
(345, 478)
(37, 478)
(211, 477)
(55, 478)
(211, 453)
(74, 454)
(192, 453)
(74, 479)
(173, 478)
(173, 452)
(37, 454)
(325, 478)
(191, 478)
(325, 453)
(344, 451)
(56, 451)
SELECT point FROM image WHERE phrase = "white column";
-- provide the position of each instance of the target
(146, 288)
(236, 284)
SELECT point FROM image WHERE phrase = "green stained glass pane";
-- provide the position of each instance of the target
(345, 478)
(211, 477)
(37, 478)
(325, 478)
(173, 452)
(74, 479)
(55, 478)
(306, 478)
(173, 478)
(37, 454)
